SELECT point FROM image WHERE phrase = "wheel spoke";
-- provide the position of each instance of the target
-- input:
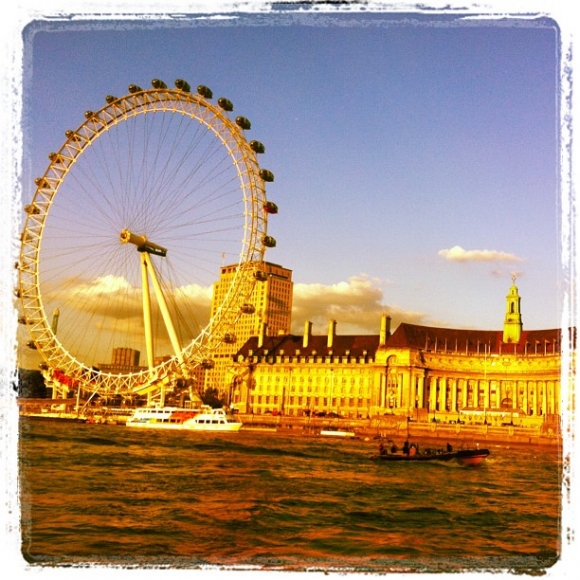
(173, 174)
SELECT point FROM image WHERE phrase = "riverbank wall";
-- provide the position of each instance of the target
(399, 429)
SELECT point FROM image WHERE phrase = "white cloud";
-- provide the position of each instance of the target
(197, 293)
(356, 305)
(114, 297)
(458, 254)
(97, 297)
(98, 314)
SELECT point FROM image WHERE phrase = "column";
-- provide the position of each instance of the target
(500, 392)
(486, 389)
(550, 397)
(544, 395)
(453, 386)
(464, 392)
(475, 393)
(433, 393)
(442, 393)
(382, 391)
(412, 388)
(420, 391)
(405, 389)
(532, 385)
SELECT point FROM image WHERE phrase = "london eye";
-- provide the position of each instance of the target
(127, 231)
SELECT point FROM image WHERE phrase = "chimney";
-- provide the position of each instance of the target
(331, 333)
(385, 329)
(263, 334)
(307, 334)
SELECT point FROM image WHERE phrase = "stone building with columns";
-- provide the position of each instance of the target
(421, 372)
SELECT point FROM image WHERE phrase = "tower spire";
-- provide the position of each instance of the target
(512, 326)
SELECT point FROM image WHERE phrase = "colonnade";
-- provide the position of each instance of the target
(435, 391)
(401, 382)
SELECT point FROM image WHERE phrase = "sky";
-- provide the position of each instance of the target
(416, 157)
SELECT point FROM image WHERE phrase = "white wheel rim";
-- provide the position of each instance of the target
(200, 201)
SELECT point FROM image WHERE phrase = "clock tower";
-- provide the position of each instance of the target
(512, 326)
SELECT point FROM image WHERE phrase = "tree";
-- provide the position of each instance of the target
(212, 398)
(31, 384)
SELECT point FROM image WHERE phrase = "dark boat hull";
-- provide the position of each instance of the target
(463, 456)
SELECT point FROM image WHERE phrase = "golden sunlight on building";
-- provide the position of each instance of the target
(419, 372)
(123, 360)
(272, 310)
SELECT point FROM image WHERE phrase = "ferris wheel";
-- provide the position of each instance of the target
(126, 234)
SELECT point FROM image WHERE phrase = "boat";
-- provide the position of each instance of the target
(463, 456)
(212, 420)
(336, 433)
(54, 416)
(161, 417)
(472, 456)
(260, 428)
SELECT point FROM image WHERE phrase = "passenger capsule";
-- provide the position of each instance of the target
(248, 309)
(257, 146)
(207, 363)
(158, 84)
(266, 175)
(55, 158)
(243, 123)
(89, 114)
(31, 209)
(260, 276)
(225, 104)
(270, 207)
(42, 183)
(110, 99)
(135, 89)
(182, 85)
(72, 136)
(22, 320)
(43, 366)
(229, 338)
(269, 241)
(204, 91)
(30, 344)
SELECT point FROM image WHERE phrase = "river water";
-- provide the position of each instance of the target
(110, 495)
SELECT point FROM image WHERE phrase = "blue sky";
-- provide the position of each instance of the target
(416, 157)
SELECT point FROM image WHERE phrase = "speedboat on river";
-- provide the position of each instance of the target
(463, 456)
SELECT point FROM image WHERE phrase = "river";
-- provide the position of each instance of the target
(110, 495)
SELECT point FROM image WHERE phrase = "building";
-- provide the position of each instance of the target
(418, 371)
(123, 360)
(126, 357)
(271, 312)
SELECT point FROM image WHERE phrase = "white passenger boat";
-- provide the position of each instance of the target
(212, 420)
(162, 417)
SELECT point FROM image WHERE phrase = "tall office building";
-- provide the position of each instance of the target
(126, 357)
(123, 360)
(272, 302)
